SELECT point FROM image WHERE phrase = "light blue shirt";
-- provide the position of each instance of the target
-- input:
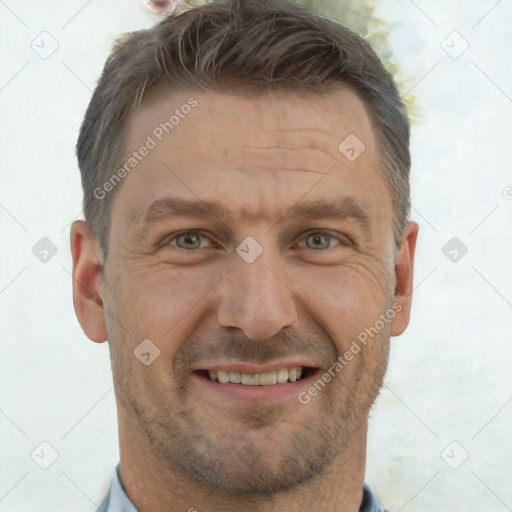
(117, 501)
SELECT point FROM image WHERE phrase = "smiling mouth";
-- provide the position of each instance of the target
(280, 376)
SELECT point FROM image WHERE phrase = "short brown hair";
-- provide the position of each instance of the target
(264, 43)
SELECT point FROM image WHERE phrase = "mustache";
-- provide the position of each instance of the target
(243, 349)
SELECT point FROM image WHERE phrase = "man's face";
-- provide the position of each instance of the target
(188, 279)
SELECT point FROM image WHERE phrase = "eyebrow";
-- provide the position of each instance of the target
(168, 207)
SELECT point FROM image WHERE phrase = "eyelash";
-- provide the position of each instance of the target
(304, 236)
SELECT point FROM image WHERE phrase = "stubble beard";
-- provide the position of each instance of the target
(190, 441)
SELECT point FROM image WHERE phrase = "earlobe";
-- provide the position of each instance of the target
(87, 281)
(404, 267)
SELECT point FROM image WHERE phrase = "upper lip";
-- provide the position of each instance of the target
(242, 367)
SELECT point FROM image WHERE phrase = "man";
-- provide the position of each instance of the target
(247, 253)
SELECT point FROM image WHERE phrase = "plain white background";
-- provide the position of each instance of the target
(440, 431)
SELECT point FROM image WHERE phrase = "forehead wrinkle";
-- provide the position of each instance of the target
(250, 158)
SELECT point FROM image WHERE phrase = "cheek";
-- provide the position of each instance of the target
(167, 304)
(163, 304)
(343, 300)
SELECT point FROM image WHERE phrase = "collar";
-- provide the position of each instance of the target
(117, 501)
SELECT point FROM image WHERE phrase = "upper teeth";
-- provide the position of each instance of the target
(257, 379)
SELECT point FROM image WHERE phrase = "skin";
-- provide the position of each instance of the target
(183, 445)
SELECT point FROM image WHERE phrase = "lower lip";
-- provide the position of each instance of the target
(256, 393)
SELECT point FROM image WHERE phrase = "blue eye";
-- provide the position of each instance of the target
(320, 240)
(194, 240)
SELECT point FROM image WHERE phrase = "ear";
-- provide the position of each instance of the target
(404, 265)
(87, 281)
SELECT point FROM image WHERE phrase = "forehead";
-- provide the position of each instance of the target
(253, 151)
(233, 118)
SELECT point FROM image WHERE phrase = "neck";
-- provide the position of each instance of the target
(154, 487)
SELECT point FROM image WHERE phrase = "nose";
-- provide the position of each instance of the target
(257, 300)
